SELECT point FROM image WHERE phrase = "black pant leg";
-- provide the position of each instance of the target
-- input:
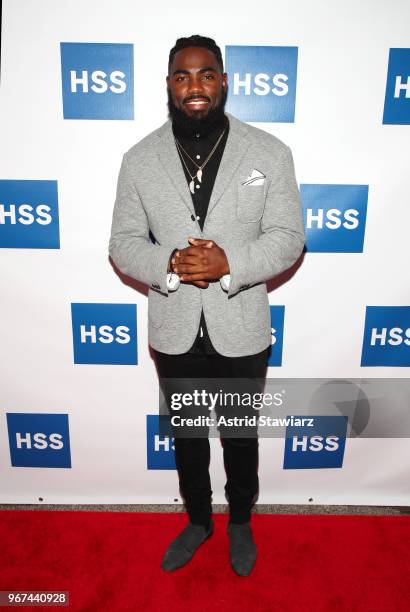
(192, 455)
(241, 455)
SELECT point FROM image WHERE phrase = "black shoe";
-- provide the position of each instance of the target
(182, 549)
(242, 548)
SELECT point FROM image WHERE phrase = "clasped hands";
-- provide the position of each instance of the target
(200, 263)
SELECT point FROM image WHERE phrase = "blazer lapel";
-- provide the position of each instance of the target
(169, 158)
(236, 146)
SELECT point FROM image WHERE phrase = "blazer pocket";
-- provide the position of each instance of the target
(255, 309)
(250, 203)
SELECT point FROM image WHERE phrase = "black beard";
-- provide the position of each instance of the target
(191, 124)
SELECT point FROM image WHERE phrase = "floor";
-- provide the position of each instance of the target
(259, 509)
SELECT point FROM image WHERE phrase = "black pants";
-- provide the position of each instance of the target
(192, 455)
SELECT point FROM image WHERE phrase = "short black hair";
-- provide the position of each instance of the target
(196, 40)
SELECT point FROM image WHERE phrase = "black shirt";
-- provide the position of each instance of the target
(198, 146)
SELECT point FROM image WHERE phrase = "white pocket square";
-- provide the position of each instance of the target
(255, 178)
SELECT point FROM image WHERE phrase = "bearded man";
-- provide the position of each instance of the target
(207, 211)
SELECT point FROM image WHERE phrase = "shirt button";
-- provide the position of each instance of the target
(198, 186)
(198, 157)
(197, 135)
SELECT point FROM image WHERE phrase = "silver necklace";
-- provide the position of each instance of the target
(198, 174)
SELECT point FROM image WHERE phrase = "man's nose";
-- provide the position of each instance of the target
(195, 85)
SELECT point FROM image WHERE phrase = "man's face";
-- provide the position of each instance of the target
(195, 82)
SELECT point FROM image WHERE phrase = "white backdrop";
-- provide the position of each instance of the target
(337, 138)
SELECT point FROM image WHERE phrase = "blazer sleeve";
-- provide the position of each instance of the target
(282, 238)
(130, 246)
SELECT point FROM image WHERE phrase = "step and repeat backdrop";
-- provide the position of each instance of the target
(81, 82)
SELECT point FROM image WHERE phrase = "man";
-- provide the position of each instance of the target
(207, 211)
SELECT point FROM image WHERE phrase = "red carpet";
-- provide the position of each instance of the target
(314, 563)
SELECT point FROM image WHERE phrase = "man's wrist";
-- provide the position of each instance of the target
(172, 278)
(170, 267)
(226, 269)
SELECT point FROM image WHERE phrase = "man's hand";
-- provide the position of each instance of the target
(201, 284)
(203, 261)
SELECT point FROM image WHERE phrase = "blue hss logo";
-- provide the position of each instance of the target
(105, 333)
(160, 448)
(386, 339)
(262, 82)
(397, 98)
(335, 217)
(29, 215)
(277, 315)
(97, 80)
(39, 440)
(319, 446)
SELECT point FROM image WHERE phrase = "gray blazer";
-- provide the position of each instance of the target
(258, 225)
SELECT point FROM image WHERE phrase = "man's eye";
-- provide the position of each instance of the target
(209, 76)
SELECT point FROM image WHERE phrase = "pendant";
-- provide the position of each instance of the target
(199, 175)
(192, 186)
